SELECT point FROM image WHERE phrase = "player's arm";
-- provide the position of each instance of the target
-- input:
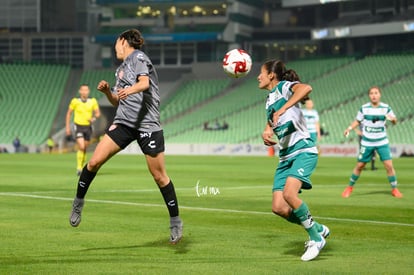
(267, 136)
(68, 116)
(318, 130)
(300, 91)
(96, 113)
(103, 86)
(351, 127)
(142, 84)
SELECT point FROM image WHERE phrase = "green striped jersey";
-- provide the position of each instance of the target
(373, 121)
(311, 118)
(291, 128)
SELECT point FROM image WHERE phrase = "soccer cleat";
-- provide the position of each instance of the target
(75, 215)
(347, 192)
(325, 232)
(396, 193)
(312, 249)
(176, 232)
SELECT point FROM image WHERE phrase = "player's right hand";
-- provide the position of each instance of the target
(103, 86)
(267, 137)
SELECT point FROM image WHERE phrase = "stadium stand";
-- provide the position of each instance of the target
(237, 102)
(345, 79)
(191, 93)
(29, 107)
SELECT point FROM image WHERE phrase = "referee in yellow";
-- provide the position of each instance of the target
(86, 111)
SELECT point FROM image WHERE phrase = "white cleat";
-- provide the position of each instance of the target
(312, 249)
(325, 232)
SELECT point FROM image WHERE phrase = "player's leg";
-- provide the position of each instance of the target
(87, 133)
(374, 156)
(384, 153)
(81, 152)
(301, 211)
(281, 208)
(365, 155)
(152, 145)
(103, 152)
(116, 138)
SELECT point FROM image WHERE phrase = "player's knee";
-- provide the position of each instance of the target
(360, 166)
(280, 211)
(94, 165)
(160, 178)
(289, 196)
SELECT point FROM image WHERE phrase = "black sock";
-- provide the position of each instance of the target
(85, 179)
(170, 198)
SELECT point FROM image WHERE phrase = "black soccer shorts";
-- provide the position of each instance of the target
(151, 143)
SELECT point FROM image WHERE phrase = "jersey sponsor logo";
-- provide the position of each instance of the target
(285, 129)
(145, 134)
(374, 129)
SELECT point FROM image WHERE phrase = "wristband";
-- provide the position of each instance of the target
(349, 128)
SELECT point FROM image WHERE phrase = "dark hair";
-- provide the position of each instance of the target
(279, 68)
(133, 37)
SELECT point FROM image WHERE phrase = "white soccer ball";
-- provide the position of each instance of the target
(237, 63)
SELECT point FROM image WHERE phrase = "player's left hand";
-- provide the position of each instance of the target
(123, 93)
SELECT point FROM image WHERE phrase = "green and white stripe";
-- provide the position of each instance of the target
(373, 123)
(291, 128)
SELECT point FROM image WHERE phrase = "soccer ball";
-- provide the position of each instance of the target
(237, 63)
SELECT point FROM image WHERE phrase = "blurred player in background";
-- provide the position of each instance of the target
(312, 120)
(86, 111)
(136, 96)
(298, 154)
(373, 116)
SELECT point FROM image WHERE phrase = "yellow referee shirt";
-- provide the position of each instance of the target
(83, 110)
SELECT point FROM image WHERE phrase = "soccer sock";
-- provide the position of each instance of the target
(293, 219)
(393, 181)
(85, 180)
(170, 198)
(307, 221)
(353, 179)
(80, 159)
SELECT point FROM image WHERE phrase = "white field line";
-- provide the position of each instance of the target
(269, 187)
(198, 208)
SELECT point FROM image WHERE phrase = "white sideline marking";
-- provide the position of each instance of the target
(197, 208)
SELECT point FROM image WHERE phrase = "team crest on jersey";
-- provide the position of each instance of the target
(121, 74)
(272, 98)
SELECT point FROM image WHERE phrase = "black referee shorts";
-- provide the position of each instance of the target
(151, 143)
(83, 131)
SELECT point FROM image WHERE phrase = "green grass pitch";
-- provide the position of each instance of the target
(225, 204)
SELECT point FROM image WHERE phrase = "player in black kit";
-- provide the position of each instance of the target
(136, 96)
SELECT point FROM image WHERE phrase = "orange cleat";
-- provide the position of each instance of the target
(347, 192)
(396, 193)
